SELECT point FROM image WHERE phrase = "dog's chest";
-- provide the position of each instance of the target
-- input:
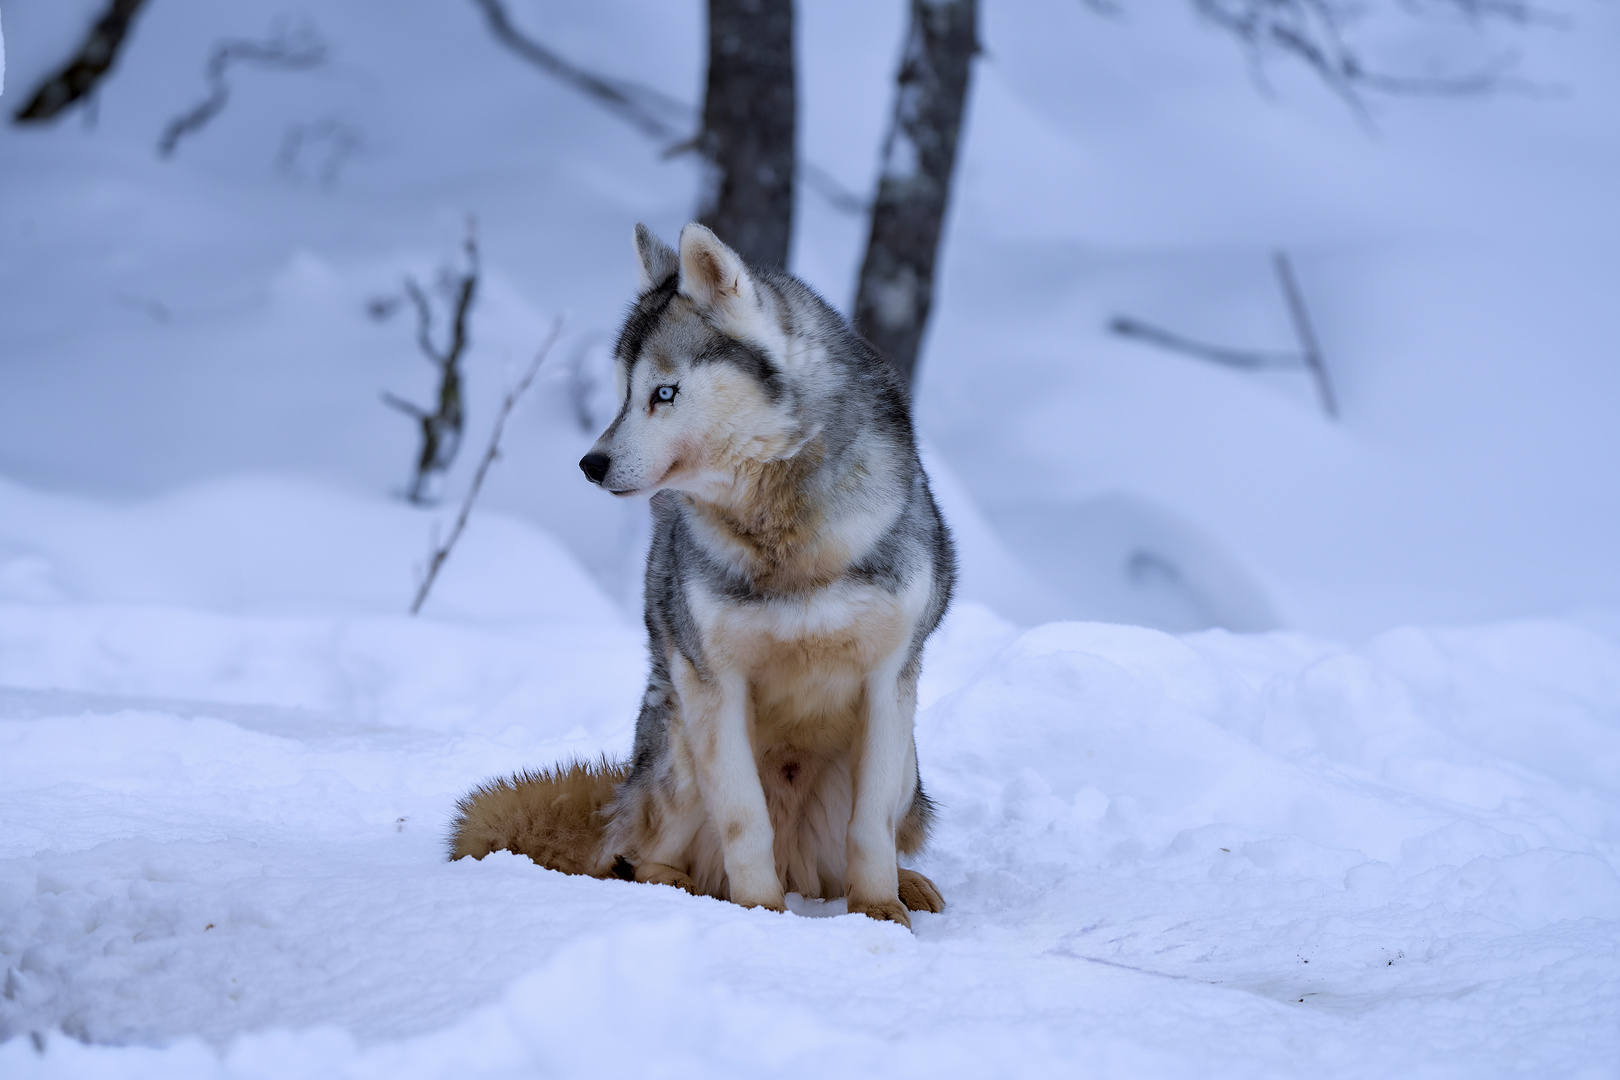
(807, 659)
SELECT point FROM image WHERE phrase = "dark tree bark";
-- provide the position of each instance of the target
(896, 288)
(748, 128)
(93, 60)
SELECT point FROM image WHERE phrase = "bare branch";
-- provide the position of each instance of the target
(295, 51)
(404, 406)
(1309, 357)
(81, 75)
(826, 185)
(339, 140)
(648, 110)
(441, 428)
(1310, 351)
(464, 292)
(424, 320)
(652, 112)
(582, 383)
(1312, 32)
(441, 553)
(1245, 359)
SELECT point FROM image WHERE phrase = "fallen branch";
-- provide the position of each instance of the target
(1309, 357)
(80, 76)
(441, 553)
(297, 51)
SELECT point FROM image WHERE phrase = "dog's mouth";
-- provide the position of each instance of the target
(622, 494)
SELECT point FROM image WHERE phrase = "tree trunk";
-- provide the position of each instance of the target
(748, 126)
(81, 74)
(896, 288)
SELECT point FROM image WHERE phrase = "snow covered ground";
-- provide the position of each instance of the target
(1375, 833)
(1208, 855)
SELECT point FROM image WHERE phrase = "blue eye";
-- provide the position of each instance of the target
(665, 394)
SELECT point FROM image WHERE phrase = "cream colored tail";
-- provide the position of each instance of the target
(554, 816)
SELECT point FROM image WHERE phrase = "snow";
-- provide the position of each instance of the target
(1265, 745)
(1213, 854)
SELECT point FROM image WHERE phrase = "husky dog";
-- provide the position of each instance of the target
(798, 564)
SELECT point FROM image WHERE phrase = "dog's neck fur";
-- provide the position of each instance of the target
(774, 527)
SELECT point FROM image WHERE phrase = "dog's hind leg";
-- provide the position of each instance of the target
(918, 893)
(652, 873)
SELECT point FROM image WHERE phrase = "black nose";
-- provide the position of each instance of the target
(595, 465)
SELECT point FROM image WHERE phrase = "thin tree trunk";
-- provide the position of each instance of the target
(79, 77)
(896, 288)
(748, 127)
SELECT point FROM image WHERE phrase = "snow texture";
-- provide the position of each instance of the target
(1265, 746)
(1206, 855)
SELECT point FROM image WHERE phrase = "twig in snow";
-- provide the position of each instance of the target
(441, 553)
(441, 428)
(298, 50)
(78, 79)
(1309, 356)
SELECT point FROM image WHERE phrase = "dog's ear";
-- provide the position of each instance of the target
(714, 278)
(655, 260)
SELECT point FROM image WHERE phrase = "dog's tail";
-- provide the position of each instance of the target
(554, 816)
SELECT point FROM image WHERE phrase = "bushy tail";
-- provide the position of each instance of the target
(554, 816)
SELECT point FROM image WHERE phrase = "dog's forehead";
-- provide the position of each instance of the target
(676, 343)
(665, 333)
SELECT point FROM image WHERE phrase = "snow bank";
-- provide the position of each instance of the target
(1206, 855)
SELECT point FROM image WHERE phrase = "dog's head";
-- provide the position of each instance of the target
(703, 375)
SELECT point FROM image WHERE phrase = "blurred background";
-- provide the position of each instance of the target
(1245, 313)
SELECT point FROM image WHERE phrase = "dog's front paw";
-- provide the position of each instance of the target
(881, 910)
(918, 893)
(768, 897)
(659, 874)
(768, 905)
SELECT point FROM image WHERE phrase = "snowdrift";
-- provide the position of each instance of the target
(1205, 855)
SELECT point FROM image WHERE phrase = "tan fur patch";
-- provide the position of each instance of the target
(778, 528)
(554, 816)
(881, 910)
(660, 874)
(912, 835)
(918, 893)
